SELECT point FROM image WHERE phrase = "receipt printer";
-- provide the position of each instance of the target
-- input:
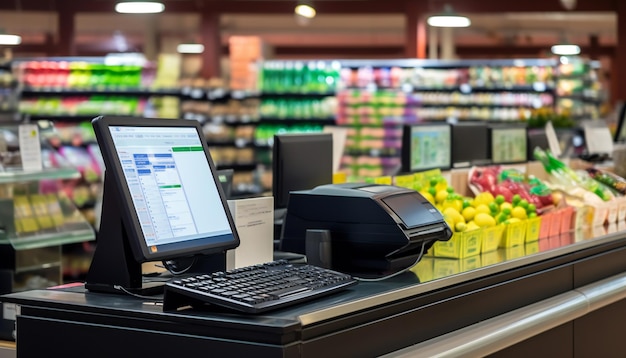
(374, 229)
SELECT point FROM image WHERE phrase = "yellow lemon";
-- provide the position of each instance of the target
(471, 226)
(454, 215)
(468, 213)
(506, 205)
(484, 220)
(452, 203)
(427, 196)
(449, 220)
(460, 227)
(512, 221)
(519, 212)
(484, 198)
(482, 208)
(441, 195)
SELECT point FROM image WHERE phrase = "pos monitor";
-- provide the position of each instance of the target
(300, 161)
(470, 144)
(162, 201)
(426, 146)
(508, 143)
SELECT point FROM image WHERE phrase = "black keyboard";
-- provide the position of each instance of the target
(256, 288)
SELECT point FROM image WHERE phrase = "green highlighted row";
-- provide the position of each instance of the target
(188, 149)
(176, 186)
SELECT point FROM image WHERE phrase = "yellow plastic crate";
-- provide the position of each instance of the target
(491, 238)
(461, 245)
(445, 267)
(514, 252)
(424, 269)
(491, 258)
(514, 234)
(531, 247)
(471, 263)
(533, 227)
(339, 178)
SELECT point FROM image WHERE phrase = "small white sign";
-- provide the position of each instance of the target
(553, 140)
(254, 220)
(30, 147)
(339, 134)
(598, 140)
(9, 311)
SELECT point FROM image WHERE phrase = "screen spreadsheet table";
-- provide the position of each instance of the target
(160, 166)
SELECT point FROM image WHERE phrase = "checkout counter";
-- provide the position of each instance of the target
(562, 296)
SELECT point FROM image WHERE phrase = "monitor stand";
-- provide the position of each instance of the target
(113, 268)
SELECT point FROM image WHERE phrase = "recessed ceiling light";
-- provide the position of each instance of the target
(565, 50)
(10, 39)
(139, 7)
(448, 18)
(190, 48)
(305, 9)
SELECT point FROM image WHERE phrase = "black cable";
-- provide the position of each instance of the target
(118, 287)
(170, 267)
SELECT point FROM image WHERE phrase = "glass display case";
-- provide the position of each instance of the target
(36, 219)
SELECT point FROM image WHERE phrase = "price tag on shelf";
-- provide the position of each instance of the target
(30, 147)
(238, 94)
(196, 93)
(539, 86)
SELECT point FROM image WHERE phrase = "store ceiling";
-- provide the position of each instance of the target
(383, 34)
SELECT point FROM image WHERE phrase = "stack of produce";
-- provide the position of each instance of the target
(483, 211)
(509, 183)
(578, 184)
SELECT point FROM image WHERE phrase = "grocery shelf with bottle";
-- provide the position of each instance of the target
(8, 90)
(377, 97)
(229, 118)
(296, 97)
(77, 89)
(579, 88)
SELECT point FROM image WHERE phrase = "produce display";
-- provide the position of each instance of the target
(573, 182)
(611, 180)
(484, 210)
(509, 183)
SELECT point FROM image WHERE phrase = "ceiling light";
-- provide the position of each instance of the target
(565, 50)
(139, 7)
(305, 9)
(190, 48)
(448, 18)
(10, 39)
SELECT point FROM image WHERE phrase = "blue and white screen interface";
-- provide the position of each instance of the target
(172, 187)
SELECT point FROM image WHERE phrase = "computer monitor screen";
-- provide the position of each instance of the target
(225, 176)
(426, 146)
(620, 130)
(470, 144)
(300, 161)
(161, 187)
(508, 144)
(537, 138)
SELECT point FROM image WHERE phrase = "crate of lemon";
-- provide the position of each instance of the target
(483, 223)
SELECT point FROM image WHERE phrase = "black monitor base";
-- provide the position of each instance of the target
(148, 288)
